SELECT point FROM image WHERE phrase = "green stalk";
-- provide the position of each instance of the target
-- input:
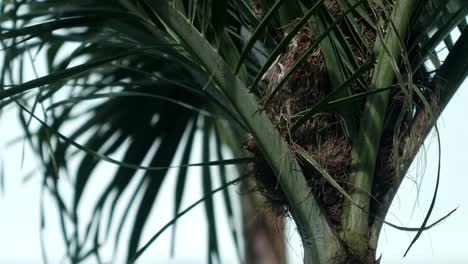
(321, 245)
(354, 221)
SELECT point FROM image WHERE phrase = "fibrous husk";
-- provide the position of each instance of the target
(410, 138)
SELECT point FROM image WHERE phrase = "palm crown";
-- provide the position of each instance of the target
(333, 96)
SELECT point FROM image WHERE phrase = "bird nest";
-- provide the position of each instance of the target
(324, 136)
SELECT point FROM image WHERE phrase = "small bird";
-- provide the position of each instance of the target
(274, 75)
(251, 146)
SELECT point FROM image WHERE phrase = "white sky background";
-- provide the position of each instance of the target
(446, 243)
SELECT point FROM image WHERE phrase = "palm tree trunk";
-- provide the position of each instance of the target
(263, 231)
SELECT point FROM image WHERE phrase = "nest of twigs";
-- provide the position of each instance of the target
(324, 136)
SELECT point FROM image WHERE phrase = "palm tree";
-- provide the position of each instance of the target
(330, 98)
